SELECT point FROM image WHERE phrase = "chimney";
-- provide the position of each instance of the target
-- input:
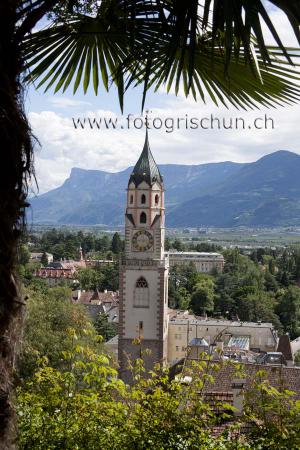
(284, 347)
(238, 386)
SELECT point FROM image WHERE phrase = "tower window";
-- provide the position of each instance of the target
(141, 283)
(131, 199)
(156, 199)
(143, 199)
(141, 293)
(143, 217)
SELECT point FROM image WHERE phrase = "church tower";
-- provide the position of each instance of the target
(144, 268)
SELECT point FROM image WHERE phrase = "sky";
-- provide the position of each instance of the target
(60, 146)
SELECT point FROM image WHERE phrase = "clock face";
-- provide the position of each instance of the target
(142, 241)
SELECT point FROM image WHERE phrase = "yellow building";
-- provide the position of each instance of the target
(262, 337)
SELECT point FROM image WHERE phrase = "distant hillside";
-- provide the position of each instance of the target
(95, 197)
(266, 192)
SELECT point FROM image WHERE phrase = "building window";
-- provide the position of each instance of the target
(143, 199)
(177, 348)
(131, 199)
(141, 293)
(143, 217)
(156, 199)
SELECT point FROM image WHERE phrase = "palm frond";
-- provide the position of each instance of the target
(170, 43)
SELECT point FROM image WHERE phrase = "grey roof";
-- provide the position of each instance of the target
(241, 342)
(146, 168)
(198, 342)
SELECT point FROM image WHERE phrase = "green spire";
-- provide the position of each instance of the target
(146, 168)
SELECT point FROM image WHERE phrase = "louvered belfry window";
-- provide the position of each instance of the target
(141, 293)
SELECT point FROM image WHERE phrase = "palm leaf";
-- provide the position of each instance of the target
(170, 43)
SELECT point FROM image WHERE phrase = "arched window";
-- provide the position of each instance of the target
(141, 283)
(143, 217)
(141, 293)
(156, 199)
(143, 199)
(131, 199)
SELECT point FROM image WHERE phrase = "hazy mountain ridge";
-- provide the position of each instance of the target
(266, 192)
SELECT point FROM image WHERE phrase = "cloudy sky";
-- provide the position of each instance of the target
(63, 147)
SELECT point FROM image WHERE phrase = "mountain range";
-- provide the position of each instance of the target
(225, 194)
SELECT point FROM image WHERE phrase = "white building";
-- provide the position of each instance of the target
(261, 337)
(37, 257)
(204, 262)
(143, 301)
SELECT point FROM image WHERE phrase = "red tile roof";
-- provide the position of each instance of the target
(49, 272)
(280, 377)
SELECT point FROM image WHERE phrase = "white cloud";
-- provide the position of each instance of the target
(66, 102)
(282, 26)
(63, 147)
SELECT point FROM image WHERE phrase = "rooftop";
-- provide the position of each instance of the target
(214, 322)
(210, 255)
(146, 168)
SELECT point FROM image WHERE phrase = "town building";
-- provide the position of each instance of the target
(226, 385)
(54, 276)
(145, 321)
(96, 302)
(37, 257)
(249, 336)
(204, 262)
(144, 269)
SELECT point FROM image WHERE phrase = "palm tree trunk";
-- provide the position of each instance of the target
(15, 167)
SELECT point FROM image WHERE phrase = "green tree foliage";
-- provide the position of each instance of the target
(259, 307)
(105, 328)
(203, 296)
(65, 244)
(84, 405)
(178, 245)
(23, 255)
(182, 280)
(44, 259)
(205, 247)
(90, 279)
(241, 277)
(100, 277)
(270, 282)
(167, 244)
(276, 415)
(49, 315)
(116, 244)
(288, 310)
